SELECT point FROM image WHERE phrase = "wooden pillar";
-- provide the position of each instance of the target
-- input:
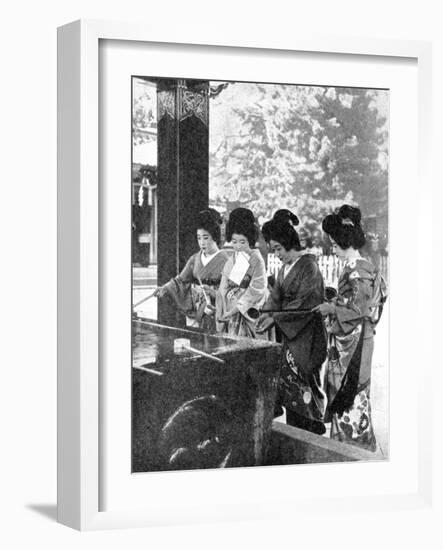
(183, 187)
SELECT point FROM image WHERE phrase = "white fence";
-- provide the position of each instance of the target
(330, 267)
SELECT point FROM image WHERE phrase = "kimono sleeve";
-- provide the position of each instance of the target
(307, 292)
(223, 288)
(352, 307)
(256, 291)
(179, 287)
(187, 273)
(184, 277)
(274, 300)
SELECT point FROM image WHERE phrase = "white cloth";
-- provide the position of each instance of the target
(240, 267)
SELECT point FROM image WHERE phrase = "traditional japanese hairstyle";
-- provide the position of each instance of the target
(285, 215)
(210, 220)
(282, 229)
(304, 235)
(344, 227)
(242, 221)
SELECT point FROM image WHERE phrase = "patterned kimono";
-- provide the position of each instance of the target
(189, 296)
(304, 342)
(351, 344)
(252, 292)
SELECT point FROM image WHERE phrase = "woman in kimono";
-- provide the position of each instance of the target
(352, 318)
(298, 289)
(243, 283)
(194, 289)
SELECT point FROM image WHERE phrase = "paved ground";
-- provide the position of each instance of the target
(380, 385)
(380, 371)
(149, 308)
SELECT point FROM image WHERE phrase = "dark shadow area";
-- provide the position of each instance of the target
(47, 510)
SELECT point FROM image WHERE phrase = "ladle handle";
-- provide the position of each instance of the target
(208, 355)
(144, 300)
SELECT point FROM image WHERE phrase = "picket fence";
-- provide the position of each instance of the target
(330, 267)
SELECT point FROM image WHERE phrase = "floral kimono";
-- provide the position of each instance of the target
(187, 292)
(251, 292)
(304, 342)
(351, 344)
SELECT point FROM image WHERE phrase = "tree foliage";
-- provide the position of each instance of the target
(143, 116)
(305, 148)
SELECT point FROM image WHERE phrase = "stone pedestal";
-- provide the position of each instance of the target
(192, 412)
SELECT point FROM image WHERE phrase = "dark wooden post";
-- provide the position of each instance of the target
(183, 188)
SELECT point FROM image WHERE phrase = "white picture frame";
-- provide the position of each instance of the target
(79, 257)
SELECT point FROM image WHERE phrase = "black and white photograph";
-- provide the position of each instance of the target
(260, 279)
(222, 275)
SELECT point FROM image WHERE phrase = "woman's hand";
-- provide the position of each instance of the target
(228, 314)
(264, 323)
(159, 292)
(211, 292)
(325, 309)
(209, 309)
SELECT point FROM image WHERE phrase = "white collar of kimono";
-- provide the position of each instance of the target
(206, 259)
(287, 267)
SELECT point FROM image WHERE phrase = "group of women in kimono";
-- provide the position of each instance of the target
(327, 343)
